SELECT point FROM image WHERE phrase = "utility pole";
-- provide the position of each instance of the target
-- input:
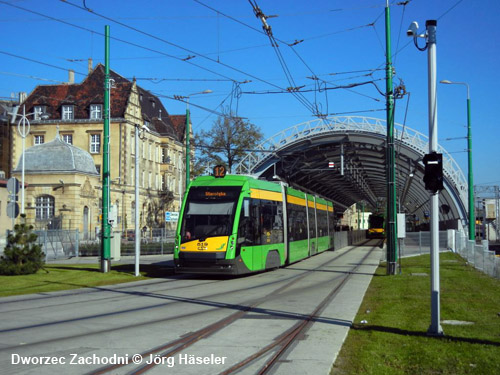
(106, 228)
(392, 245)
(435, 327)
(472, 214)
(188, 162)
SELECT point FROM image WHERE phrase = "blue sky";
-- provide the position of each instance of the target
(343, 44)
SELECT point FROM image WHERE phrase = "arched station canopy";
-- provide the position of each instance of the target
(343, 159)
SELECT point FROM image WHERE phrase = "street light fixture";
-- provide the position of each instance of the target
(472, 216)
(181, 98)
(24, 131)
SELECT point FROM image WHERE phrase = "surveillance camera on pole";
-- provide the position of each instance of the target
(412, 29)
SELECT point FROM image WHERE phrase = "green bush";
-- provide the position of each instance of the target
(22, 255)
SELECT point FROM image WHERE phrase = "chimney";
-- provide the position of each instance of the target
(90, 65)
(71, 76)
(22, 97)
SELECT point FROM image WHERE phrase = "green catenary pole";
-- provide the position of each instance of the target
(390, 158)
(188, 163)
(472, 216)
(106, 229)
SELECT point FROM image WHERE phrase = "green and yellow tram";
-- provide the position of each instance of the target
(376, 226)
(238, 224)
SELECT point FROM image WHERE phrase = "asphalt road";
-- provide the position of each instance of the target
(290, 321)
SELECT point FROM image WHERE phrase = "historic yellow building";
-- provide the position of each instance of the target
(64, 190)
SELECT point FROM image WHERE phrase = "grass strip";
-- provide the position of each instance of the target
(396, 315)
(56, 277)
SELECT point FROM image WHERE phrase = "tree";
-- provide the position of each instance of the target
(156, 205)
(227, 142)
(22, 255)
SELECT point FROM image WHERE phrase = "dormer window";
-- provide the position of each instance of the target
(38, 110)
(153, 103)
(68, 112)
(96, 111)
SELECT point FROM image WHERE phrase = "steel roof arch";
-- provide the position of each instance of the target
(314, 131)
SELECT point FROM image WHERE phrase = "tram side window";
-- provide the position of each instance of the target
(261, 222)
(331, 220)
(271, 222)
(322, 223)
(312, 223)
(248, 233)
(297, 222)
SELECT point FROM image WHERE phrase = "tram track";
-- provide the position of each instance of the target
(284, 341)
(176, 346)
(173, 300)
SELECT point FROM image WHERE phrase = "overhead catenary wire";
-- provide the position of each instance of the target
(336, 87)
(31, 77)
(190, 51)
(274, 43)
(293, 86)
(309, 106)
(115, 38)
(38, 62)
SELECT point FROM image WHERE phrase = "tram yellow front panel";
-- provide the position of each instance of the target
(207, 245)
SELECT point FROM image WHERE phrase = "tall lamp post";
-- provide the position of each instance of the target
(472, 216)
(23, 128)
(139, 134)
(186, 100)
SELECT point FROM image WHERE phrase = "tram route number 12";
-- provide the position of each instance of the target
(219, 171)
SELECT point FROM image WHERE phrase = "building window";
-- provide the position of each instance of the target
(143, 179)
(95, 143)
(68, 138)
(44, 207)
(149, 180)
(68, 112)
(96, 111)
(39, 139)
(38, 110)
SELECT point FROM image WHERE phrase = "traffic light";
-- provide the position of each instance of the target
(433, 177)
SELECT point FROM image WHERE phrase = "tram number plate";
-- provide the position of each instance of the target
(202, 246)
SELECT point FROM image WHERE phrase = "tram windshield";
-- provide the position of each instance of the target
(209, 212)
(376, 221)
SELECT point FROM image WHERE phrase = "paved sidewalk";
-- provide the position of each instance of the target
(163, 260)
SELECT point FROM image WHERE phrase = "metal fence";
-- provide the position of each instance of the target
(417, 243)
(478, 255)
(58, 243)
(63, 244)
